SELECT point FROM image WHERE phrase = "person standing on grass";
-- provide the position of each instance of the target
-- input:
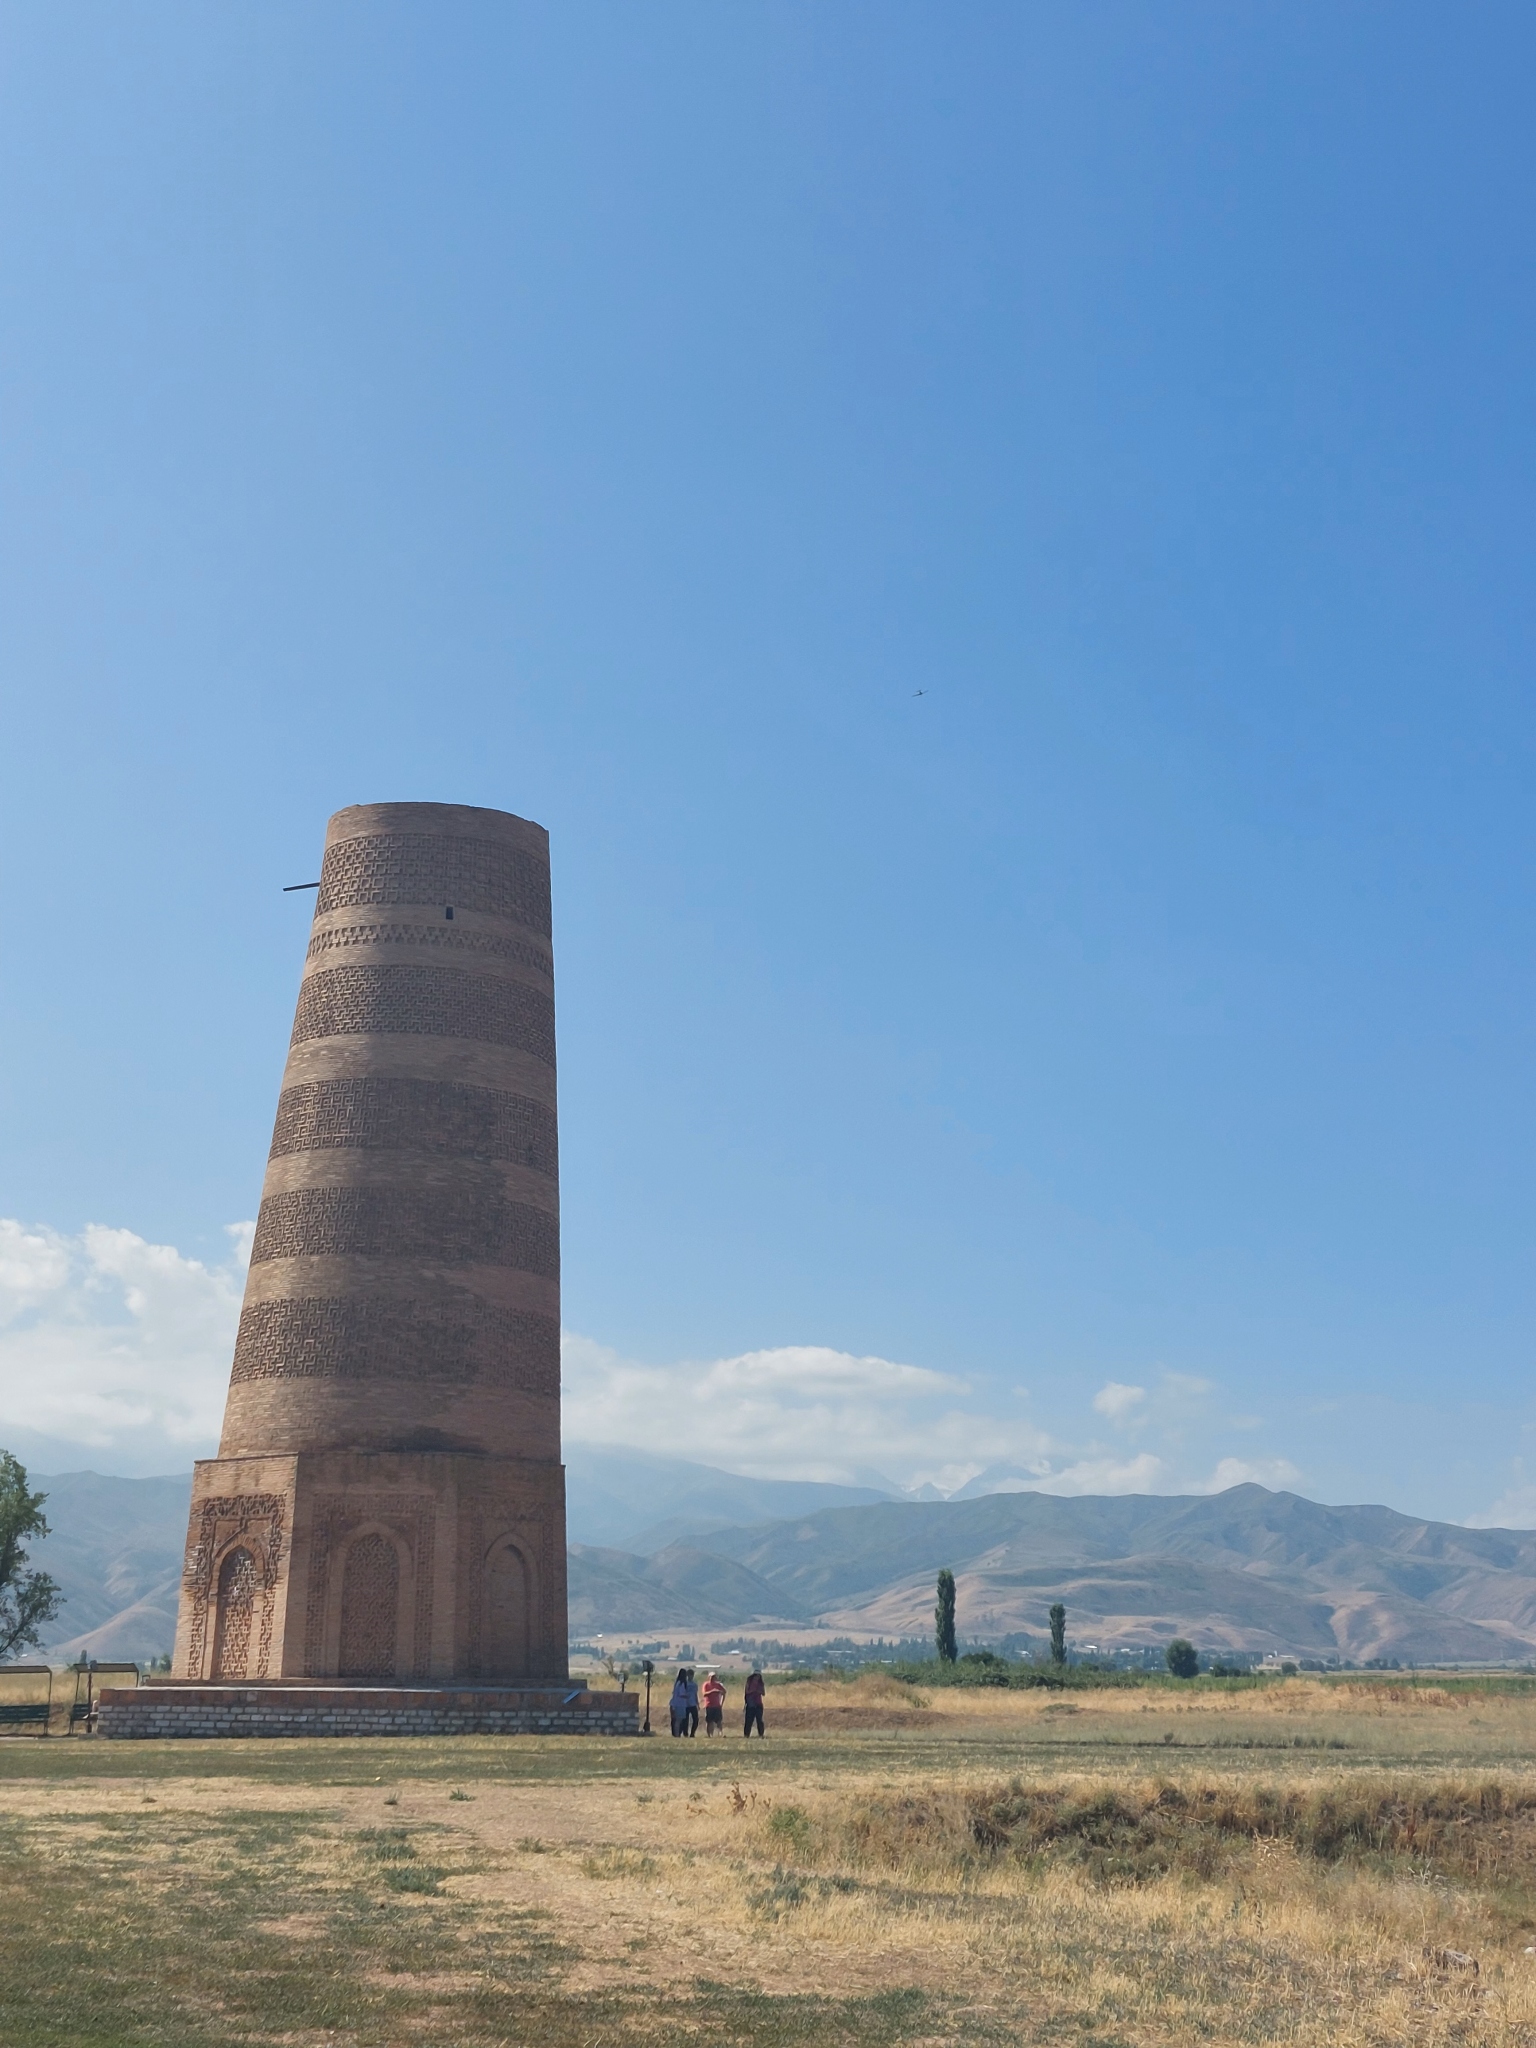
(752, 1716)
(680, 1704)
(714, 1705)
(693, 1704)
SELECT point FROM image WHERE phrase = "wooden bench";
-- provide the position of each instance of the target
(24, 1714)
(26, 1699)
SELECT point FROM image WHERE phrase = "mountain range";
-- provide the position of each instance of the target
(1244, 1570)
(663, 1545)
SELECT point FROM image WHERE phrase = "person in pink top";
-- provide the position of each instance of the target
(714, 1705)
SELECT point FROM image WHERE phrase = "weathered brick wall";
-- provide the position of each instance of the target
(407, 1253)
(399, 1344)
(211, 1713)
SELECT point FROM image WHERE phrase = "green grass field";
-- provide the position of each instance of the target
(1305, 1862)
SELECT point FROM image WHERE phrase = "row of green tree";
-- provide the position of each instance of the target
(1181, 1656)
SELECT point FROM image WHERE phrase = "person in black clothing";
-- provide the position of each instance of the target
(752, 1715)
(679, 1704)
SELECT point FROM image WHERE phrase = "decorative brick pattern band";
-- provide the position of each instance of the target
(446, 1118)
(158, 1713)
(465, 1226)
(430, 1002)
(425, 867)
(445, 937)
(357, 1336)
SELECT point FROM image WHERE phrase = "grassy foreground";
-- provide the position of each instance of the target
(1330, 1863)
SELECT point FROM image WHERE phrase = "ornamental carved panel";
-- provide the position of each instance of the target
(252, 1524)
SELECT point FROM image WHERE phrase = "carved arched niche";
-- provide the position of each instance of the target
(234, 1631)
(506, 1627)
(368, 1645)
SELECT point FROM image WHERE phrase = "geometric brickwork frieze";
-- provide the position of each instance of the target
(445, 1119)
(441, 938)
(425, 1002)
(416, 867)
(457, 1342)
(457, 1225)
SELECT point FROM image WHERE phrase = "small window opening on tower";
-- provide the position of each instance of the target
(448, 913)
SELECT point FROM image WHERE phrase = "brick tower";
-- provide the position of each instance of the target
(388, 1504)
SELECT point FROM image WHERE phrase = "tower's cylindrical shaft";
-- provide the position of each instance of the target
(404, 1288)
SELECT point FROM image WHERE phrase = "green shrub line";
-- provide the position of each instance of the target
(987, 1668)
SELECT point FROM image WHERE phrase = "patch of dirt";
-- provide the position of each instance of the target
(683, 1908)
(449, 1981)
(296, 1926)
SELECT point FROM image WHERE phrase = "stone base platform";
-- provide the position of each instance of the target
(217, 1712)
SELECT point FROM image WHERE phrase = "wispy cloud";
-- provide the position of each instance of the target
(1515, 1508)
(801, 1411)
(105, 1337)
(1145, 1473)
(808, 1412)
(1277, 1472)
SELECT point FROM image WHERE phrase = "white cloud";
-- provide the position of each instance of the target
(801, 1411)
(808, 1412)
(105, 1336)
(1144, 1474)
(1149, 1473)
(1118, 1401)
(33, 1264)
(1514, 1509)
(1272, 1472)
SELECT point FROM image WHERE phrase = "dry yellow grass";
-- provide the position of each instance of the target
(891, 1867)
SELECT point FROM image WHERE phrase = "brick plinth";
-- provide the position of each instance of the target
(215, 1712)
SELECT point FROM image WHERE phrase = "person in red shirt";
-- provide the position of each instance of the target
(753, 1715)
(714, 1705)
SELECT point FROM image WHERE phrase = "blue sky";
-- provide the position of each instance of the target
(618, 415)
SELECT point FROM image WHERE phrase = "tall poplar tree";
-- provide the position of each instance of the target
(944, 1619)
(1058, 1634)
